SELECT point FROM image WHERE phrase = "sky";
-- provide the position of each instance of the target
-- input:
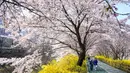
(123, 8)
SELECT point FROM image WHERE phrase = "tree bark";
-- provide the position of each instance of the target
(115, 57)
(81, 58)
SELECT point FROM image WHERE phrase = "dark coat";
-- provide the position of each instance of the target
(95, 62)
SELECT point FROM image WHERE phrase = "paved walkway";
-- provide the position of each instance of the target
(99, 70)
(104, 68)
(109, 69)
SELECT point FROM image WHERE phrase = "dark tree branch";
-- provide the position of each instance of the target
(14, 17)
(110, 7)
(31, 8)
(80, 22)
(67, 33)
(87, 31)
(90, 42)
(68, 45)
(65, 25)
(67, 15)
(77, 10)
(2, 3)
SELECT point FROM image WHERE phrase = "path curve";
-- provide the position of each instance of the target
(104, 68)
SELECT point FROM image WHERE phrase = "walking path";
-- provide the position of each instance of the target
(104, 68)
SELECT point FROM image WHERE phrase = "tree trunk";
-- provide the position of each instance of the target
(115, 57)
(81, 58)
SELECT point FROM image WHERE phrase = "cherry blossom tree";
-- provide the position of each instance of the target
(74, 19)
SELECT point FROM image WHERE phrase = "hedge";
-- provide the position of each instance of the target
(67, 64)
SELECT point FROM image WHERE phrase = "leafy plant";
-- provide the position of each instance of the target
(67, 64)
(120, 64)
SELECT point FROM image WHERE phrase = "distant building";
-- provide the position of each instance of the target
(5, 42)
(6, 51)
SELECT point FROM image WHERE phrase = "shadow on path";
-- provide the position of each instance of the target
(104, 68)
(109, 69)
(99, 70)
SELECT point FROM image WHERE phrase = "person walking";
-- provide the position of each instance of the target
(95, 63)
(88, 63)
(91, 64)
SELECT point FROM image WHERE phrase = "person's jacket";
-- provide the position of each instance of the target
(95, 62)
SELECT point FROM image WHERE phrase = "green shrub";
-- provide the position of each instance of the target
(6, 69)
(120, 64)
(66, 64)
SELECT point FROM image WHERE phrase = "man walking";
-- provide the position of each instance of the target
(88, 63)
(91, 64)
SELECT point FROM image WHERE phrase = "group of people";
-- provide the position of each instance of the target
(92, 63)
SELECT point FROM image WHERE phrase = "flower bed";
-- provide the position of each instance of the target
(66, 64)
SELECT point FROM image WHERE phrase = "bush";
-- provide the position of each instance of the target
(6, 69)
(67, 64)
(120, 64)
